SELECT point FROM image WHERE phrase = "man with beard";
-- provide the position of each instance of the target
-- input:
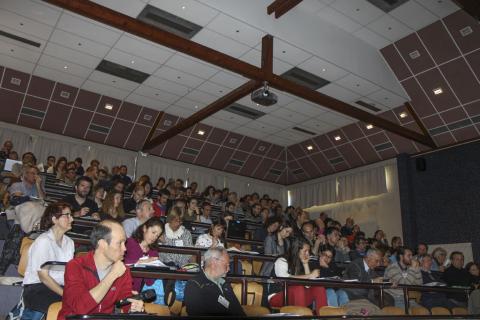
(208, 293)
(81, 205)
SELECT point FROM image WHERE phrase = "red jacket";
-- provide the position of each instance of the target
(160, 210)
(81, 276)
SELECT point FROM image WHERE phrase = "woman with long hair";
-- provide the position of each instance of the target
(439, 259)
(59, 169)
(112, 207)
(142, 247)
(276, 244)
(44, 287)
(99, 195)
(294, 264)
(213, 237)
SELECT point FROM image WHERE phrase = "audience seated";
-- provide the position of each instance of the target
(176, 235)
(192, 213)
(142, 247)
(335, 297)
(432, 299)
(205, 216)
(143, 212)
(112, 207)
(161, 204)
(439, 262)
(456, 275)
(43, 287)
(81, 204)
(474, 271)
(276, 244)
(130, 204)
(213, 237)
(360, 246)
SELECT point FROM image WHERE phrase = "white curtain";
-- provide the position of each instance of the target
(314, 194)
(361, 184)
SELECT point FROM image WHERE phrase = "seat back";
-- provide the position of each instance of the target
(331, 311)
(459, 311)
(257, 266)
(393, 311)
(157, 309)
(24, 247)
(53, 310)
(440, 311)
(419, 311)
(301, 311)
(254, 293)
(255, 311)
(184, 312)
(415, 295)
(247, 268)
(176, 307)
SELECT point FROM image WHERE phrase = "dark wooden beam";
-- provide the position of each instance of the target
(267, 54)
(472, 7)
(285, 7)
(419, 123)
(212, 108)
(153, 129)
(128, 24)
(272, 7)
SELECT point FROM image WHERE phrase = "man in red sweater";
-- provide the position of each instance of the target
(95, 281)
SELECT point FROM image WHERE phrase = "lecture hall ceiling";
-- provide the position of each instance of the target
(57, 88)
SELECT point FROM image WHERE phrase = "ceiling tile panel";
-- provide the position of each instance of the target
(30, 122)
(323, 142)
(201, 127)
(64, 93)
(342, 166)
(250, 165)
(137, 137)
(129, 111)
(78, 123)
(388, 153)
(438, 42)
(11, 105)
(106, 103)
(461, 21)
(350, 155)
(274, 151)
(263, 168)
(390, 28)
(396, 62)
(432, 80)
(465, 133)
(247, 144)
(474, 62)
(35, 103)
(322, 163)
(262, 148)
(240, 155)
(419, 100)
(402, 144)
(102, 120)
(167, 121)
(296, 150)
(413, 15)
(378, 138)
(15, 80)
(194, 144)
(433, 121)
(366, 150)
(309, 167)
(119, 133)
(473, 109)
(40, 87)
(56, 117)
(221, 158)
(95, 136)
(174, 147)
(233, 140)
(443, 139)
(87, 100)
(414, 53)
(217, 136)
(148, 116)
(208, 152)
(331, 153)
(353, 132)
(462, 80)
(453, 115)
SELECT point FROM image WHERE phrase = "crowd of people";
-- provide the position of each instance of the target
(130, 229)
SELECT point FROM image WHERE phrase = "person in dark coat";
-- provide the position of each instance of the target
(208, 294)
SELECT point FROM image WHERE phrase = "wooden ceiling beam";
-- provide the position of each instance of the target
(153, 129)
(472, 7)
(285, 7)
(131, 25)
(204, 113)
(419, 123)
(267, 54)
(272, 7)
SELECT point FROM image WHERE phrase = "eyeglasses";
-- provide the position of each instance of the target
(68, 215)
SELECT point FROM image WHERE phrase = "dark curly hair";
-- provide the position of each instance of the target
(53, 210)
(150, 223)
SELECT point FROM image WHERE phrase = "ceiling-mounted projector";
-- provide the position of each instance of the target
(264, 96)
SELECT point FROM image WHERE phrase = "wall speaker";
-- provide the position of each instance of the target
(421, 164)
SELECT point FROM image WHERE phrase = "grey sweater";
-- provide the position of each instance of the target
(410, 276)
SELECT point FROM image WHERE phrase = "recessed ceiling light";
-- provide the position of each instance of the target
(184, 7)
(201, 132)
(65, 67)
(132, 62)
(369, 126)
(337, 138)
(437, 91)
(323, 70)
(196, 107)
(403, 115)
(108, 106)
(310, 147)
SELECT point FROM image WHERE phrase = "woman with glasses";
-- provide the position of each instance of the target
(439, 261)
(335, 298)
(43, 287)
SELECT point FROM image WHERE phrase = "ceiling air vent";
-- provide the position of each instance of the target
(459, 124)
(168, 22)
(298, 171)
(369, 106)
(305, 78)
(190, 151)
(305, 131)
(275, 172)
(336, 160)
(17, 38)
(438, 130)
(120, 71)
(475, 119)
(99, 129)
(237, 163)
(383, 146)
(244, 111)
(33, 112)
(387, 5)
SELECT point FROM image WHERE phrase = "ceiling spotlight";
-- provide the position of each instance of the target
(196, 107)
(437, 91)
(323, 70)
(309, 148)
(132, 62)
(109, 106)
(184, 7)
(65, 67)
(337, 138)
(201, 132)
(369, 126)
(403, 115)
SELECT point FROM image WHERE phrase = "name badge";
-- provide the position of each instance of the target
(224, 302)
(178, 243)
